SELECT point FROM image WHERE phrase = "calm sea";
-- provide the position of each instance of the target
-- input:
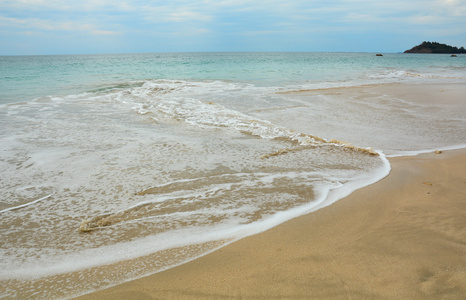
(118, 166)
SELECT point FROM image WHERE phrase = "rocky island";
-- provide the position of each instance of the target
(434, 47)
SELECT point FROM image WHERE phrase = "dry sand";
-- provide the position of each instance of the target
(401, 238)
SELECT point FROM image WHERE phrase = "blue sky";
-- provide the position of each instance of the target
(135, 26)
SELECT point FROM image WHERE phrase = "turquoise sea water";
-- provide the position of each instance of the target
(24, 78)
(118, 166)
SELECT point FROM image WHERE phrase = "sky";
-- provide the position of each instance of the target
(30, 27)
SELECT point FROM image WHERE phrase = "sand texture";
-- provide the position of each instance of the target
(401, 238)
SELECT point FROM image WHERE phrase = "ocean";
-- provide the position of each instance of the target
(113, 167)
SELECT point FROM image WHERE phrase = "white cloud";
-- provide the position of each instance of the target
(275, 19)
(47, 25)
(180, 16)
(103, 32)
(425, 20)
(210, 10)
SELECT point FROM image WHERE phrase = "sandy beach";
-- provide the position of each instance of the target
(403, 237)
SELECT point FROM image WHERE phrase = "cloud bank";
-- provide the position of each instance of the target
(103, 26)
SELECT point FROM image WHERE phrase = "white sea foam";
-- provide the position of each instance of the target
(26, 204)
(417, 152)
(57, 262)
(228, 231)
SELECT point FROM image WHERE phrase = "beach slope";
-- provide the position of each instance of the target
(402, 237)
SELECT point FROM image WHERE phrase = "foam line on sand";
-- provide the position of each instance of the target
(403, 237)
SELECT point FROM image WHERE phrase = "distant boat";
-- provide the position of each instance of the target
(378, 54)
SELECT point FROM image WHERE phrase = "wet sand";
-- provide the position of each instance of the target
(403, 237)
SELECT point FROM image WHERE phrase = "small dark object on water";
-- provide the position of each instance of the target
(378, 54)
(453, 55)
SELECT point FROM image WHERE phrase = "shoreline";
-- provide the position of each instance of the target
(401, 237)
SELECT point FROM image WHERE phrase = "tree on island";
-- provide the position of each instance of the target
(434, 47)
